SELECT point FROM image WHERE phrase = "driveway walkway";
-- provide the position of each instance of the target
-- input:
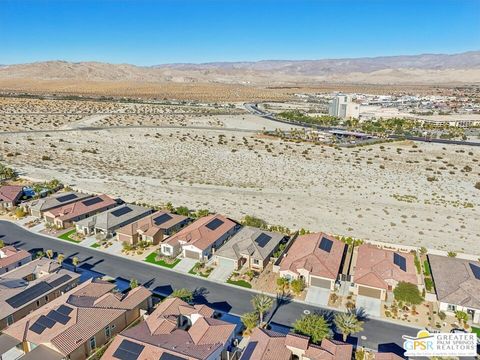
(222, 272)
(369, 304)
(185, 265)
(317, 296)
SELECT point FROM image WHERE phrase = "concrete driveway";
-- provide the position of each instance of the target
(185, 265)
(371, 305)
(317, 295)
(222, 272)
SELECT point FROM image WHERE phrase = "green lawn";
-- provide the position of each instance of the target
(96, 245)
(193, 271)
(66, 236)
(151, 259)
(476, 331)
(426, 268)
(429, 284)
(241, 283)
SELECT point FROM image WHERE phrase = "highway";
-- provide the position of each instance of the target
(253, 108)
(235, 300)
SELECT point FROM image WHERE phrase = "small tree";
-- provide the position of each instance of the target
(423, 250)
(262, 303)
(133, 283)
(182, 210)
(282, 284)
(49, 254)
(39, 255)
(60, 258)
(250, 321)
(347, 323)
(297, 286)
(313, 325)
(20, 213)
(408, 293)
(201, 213)
(2, 244)
(183, 294)
(452, 254)
(461, 316)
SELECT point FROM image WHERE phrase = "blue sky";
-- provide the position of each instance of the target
(155, 32)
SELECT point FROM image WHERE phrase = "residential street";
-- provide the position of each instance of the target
(236, 300)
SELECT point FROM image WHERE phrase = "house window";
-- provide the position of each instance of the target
(92, 343)
(38, 303)
(256, 261)
(166, 250)
(108, 331)
(451, 307)
(10, 320)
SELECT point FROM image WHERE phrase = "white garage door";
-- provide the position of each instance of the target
(192, 254)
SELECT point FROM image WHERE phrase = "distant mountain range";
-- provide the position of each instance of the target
(461, 68)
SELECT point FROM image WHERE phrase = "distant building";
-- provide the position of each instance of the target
(343, 107)
(38, 207)
(10, 196)
(11, 258)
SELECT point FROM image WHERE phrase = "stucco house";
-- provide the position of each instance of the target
(250, 247)
(38, 207)
(377, 270)
(10, 196)
(457, 285)
(316, 258)
(201, 238)
(11, 258)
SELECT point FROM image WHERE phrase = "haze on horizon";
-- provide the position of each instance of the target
(152, 33)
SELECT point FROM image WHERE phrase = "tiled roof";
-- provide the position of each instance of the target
(305, 253)
(81, 207)
(10, 193)
(112, 218)
(148, 226)
(375, 266)
(12, 256)
(56, 200)
(199, 235)
(455, 282)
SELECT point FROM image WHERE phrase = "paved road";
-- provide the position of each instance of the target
(219, 296)
(253, 108)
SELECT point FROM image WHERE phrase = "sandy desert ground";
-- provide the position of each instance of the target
(410, 193)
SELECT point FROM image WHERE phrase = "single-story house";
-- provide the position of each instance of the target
(79, 322)
(10, 196)
(457, 285)
(152, 228)
(30, 287)
(109, 221)
(64, 216)
(11, 258)
(377, 270)
(316, 258)
(201, 238)
(175, 330)
(251, 247)
(270, 345)
(40, 206)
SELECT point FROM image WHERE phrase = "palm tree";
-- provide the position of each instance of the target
(60, 258)
(347, 323)
(282, 284)
(250, 321)
(183, 294)
(49, 254)
(75, 261)
(262, 303)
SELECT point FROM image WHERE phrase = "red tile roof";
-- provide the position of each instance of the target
(10, 193)
(147, 224)
(81, 207)
(375, 267)
(305, 253)
(12, 256)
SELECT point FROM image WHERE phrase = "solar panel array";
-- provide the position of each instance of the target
(400, 261)
(475, 270)
(326, 244)
(62, 279)
(92, 201)
(162, 219)
(128, 350)
(263, 239)
(29, 294)
(214, 224)
(120, 212)
(167, 356)
(48, 321)
(67, 197)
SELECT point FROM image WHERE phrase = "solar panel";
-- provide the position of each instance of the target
(122, 211)
(475, 270)
(45, 322)
(66, 197)
(64, 310)
(162, 219)
(58, 317)
(29, 294)
(62, 279)
(214, 224)
(400, 261)
(128, 350)
(167, 356)
(263, 239)
(92, 201)
(37, 328)
(326, 244)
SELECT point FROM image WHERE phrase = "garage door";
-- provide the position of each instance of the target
(366, 291)
(225, 261)
(324, 283)
(192, 254)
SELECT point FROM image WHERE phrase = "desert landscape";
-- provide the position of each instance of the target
(216, 157)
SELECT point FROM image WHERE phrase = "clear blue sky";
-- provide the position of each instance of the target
(155, 32)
